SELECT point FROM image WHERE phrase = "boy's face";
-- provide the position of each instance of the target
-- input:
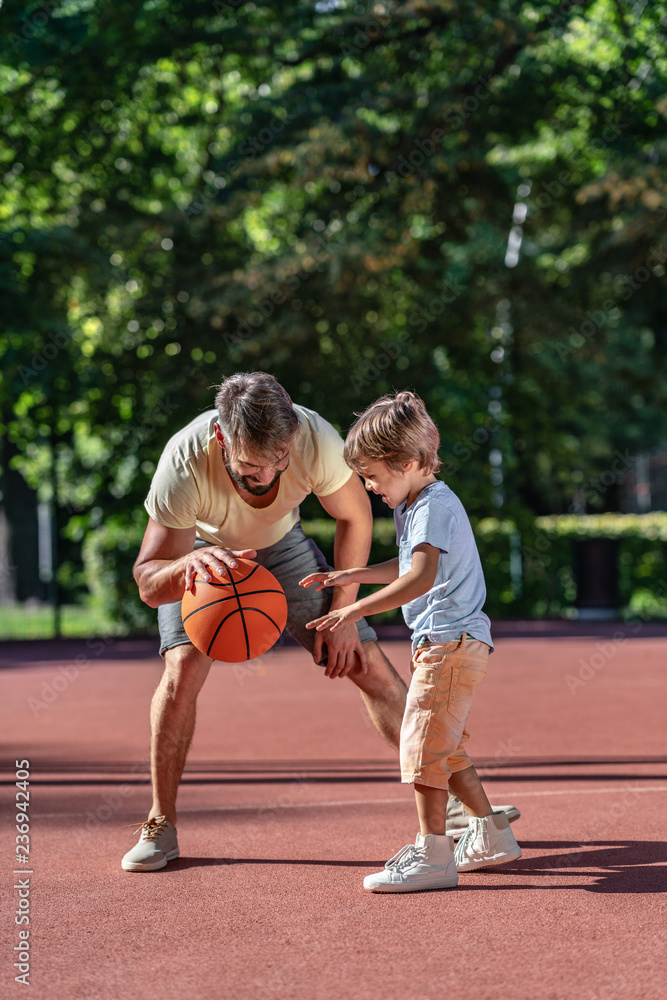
(392, 486)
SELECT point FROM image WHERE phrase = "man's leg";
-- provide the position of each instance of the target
(382, 690)
(383, 693)
(465, 784)
(172, 723)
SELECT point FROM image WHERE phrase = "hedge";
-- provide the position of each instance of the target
(528, 574)
(531, 573)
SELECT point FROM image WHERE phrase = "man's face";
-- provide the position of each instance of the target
(255, 474)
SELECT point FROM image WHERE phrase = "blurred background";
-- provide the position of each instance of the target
(464, 198)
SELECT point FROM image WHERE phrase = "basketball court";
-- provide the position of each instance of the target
(290, 799)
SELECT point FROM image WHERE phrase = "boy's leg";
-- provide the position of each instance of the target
(444, 678)
(430, 862)
(487, 839)
(431, 809)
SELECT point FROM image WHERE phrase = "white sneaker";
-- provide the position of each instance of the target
(487, 841)
(427, 864)
(457, 817)
(157, 845)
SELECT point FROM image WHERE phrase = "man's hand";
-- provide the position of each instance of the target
(212, 558)
(332, 578)
(344, 650)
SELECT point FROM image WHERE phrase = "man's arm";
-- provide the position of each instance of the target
(167, 565)
(351, 508)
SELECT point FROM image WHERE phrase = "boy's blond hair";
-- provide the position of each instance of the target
(395, 430)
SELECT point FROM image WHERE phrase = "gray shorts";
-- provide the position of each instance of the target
(290, 559)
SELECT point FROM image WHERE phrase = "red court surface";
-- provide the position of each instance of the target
(290, 798)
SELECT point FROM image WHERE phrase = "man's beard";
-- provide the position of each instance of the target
(255, 491)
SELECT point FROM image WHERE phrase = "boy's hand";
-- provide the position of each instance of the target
(332, 578)
(334, 620)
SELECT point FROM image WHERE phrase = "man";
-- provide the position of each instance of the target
(229, 485)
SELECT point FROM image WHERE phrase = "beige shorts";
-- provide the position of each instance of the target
(444, 678)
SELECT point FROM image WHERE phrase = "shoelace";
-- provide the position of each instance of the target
(397, 857)
(152, 828)
(405, 857)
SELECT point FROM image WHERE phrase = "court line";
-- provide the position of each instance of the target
(366, 802)
(409, 801)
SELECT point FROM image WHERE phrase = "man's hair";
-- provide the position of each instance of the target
(395, 430)
(255, 412)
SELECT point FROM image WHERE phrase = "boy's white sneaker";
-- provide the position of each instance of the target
(427, 864)
(157, 845)
(487, 841)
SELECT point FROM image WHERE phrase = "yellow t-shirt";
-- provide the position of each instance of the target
(191, 487)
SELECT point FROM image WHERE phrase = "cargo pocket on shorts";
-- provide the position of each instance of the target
(457, 706)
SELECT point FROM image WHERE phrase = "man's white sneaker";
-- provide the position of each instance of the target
(487, 841)
(427, 864)
(157, 845)
(457, 817)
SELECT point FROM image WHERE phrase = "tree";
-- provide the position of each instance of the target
(326, 191)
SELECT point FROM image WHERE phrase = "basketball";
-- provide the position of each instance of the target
(236, 616)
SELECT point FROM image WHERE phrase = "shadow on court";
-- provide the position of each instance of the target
(290, 798)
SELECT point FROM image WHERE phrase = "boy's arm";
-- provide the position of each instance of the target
(383, 572)
(417, 581)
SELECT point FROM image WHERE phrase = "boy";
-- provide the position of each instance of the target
(438, 580)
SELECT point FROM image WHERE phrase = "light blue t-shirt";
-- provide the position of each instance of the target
(454, 603)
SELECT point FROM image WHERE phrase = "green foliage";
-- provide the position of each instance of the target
(109, 553)
(326, 192)
(545, 587)
(77, 621)
(549, 585)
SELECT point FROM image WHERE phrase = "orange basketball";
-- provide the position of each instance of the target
(236, 616)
